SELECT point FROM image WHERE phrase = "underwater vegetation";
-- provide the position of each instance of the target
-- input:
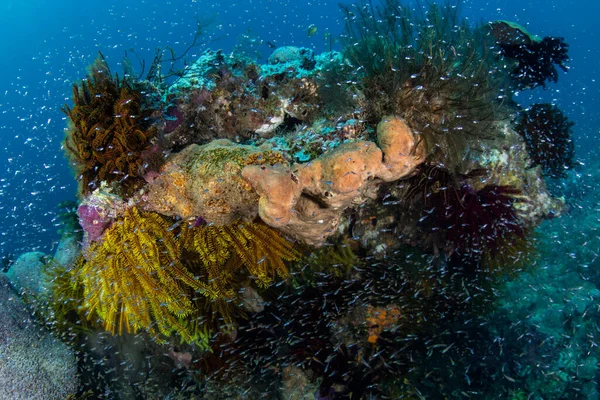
(108, 130)
(535, 59)
(548, 135)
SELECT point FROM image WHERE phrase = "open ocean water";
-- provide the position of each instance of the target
(537, 337)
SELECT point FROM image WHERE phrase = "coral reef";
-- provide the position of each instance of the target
(336, 225)
(304, 201)
(69, 246)
(306, 143)
(547, 133)
(336, 260)
(221, 97)
(548, 317)
(68, 220)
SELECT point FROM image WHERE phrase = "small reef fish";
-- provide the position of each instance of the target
(311, 31)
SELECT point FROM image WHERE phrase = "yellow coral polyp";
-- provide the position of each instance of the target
(379, 318)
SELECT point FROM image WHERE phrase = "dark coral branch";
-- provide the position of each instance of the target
(535, 59)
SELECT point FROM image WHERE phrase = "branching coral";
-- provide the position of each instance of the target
(547, 133)
(428, 68)
(108, 130)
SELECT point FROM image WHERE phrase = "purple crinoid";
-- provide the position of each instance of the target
(478, 221)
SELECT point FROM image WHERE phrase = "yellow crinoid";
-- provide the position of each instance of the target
(134, 280)
(225, 250)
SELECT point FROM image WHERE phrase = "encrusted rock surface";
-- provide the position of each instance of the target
(205, 181)
(34, 365)
(509, 164)
(26, 274)
(222, 182)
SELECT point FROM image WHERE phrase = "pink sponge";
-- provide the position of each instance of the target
(93, 220)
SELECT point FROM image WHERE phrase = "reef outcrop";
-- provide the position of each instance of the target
(204, 181)
(223, 181)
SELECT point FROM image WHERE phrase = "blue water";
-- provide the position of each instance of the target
(46, 46)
